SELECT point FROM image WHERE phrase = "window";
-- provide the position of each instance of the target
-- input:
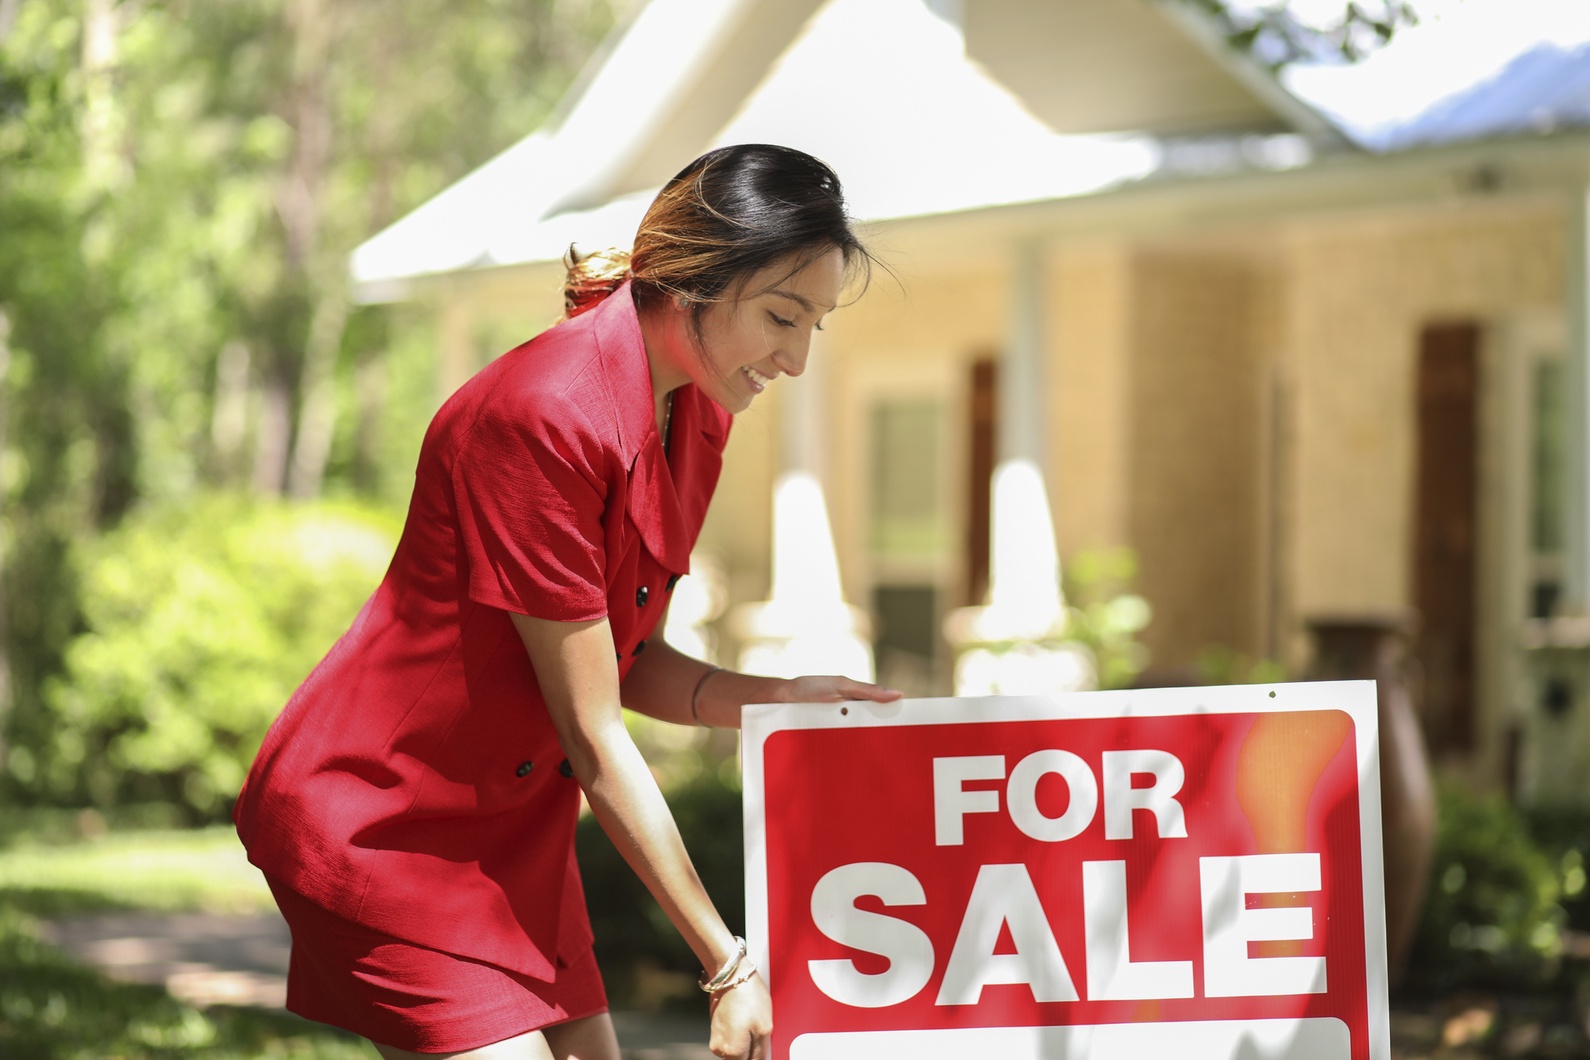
(1548, 411)
(907, 519)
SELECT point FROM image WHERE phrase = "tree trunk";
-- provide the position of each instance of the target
(275, 431)
(317, 417)
(103, 166)
(300, 205)
(229, 413)
(370, 396)
(5, 653)
(8, 17)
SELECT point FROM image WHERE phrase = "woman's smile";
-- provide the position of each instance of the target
(758, 380)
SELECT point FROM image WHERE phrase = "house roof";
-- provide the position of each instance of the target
(1545, 89)
(920, 110)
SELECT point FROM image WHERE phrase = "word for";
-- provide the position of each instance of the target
(952, 801)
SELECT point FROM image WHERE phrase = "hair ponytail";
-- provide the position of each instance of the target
(729, 214)
(592, 278)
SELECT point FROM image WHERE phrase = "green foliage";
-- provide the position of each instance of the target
(1105, 616)
(52, 1007)
(1492, 915)
(1220, 665)
(1281, 33)
(201, 619)
(644, 961)
(178, 202)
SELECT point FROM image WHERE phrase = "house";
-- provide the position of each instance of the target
(1299, 377)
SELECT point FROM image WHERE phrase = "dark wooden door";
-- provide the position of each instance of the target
(982, 427)
(1446, 514)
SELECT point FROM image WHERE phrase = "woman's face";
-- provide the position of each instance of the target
(751, 340)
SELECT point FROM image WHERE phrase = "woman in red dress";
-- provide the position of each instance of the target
(414, 806)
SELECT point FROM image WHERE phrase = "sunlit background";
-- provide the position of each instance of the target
(1212, 342)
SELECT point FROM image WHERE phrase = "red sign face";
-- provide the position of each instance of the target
(1174, 878)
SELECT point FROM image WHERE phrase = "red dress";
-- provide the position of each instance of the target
(414, 784)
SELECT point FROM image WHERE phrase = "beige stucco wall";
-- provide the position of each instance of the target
(1359, 293)
(1089, 389)
(1199, 366)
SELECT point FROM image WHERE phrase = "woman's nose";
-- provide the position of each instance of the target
(792, 359)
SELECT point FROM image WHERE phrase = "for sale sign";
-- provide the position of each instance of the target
(1170, 872)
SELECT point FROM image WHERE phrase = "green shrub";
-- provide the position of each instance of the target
(1105, 616)
(200, 622)
(1564, 834)
(634, 939)
(1491, 915)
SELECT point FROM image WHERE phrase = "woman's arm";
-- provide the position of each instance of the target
(579, 680)
(663, 682)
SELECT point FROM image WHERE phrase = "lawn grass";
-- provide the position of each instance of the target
(165, 870)
(53, 1008)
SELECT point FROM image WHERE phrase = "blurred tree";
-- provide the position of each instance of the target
(181, 182)
(1279, 32)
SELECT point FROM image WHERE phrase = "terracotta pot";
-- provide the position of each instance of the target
(1375, 647)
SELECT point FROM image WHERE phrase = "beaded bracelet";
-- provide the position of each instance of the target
(723, 975)
(695, 697)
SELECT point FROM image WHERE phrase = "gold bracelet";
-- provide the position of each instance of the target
(695, 697)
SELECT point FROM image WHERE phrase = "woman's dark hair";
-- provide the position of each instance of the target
(725, 216)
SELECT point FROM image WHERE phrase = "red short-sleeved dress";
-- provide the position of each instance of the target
(413, 794)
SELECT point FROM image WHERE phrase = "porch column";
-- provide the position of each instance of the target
(1014, 644)
(457, 341)
(1024, 569)
(1555, 752)
(1576, 463)
(805, 626)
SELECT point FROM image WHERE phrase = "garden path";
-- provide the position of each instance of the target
(212, 959)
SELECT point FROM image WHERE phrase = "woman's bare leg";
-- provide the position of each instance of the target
(532, 1046)
(591, 1038)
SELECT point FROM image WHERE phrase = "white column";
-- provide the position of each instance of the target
(1556, 752)
(1021, 372)
(1576, 491)
(457, 341)
(1024, 570)
(805, 626)
(1015, 644)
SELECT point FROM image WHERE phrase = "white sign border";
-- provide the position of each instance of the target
(1355, 698)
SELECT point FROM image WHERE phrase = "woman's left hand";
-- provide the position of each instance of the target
(830, 688)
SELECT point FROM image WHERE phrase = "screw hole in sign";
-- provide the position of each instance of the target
(844, 710)
(1272, 695)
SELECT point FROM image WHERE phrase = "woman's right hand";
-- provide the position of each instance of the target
(742, 1019)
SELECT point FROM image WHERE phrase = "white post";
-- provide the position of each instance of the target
(1024, 570)
(1025, 608)
(1576, 462)
(805, 626)
(1556, 750)
(1021, 367)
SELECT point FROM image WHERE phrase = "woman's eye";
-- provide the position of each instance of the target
(781, 322)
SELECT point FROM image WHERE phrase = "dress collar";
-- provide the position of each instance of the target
(654, 503)
(616, 326)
